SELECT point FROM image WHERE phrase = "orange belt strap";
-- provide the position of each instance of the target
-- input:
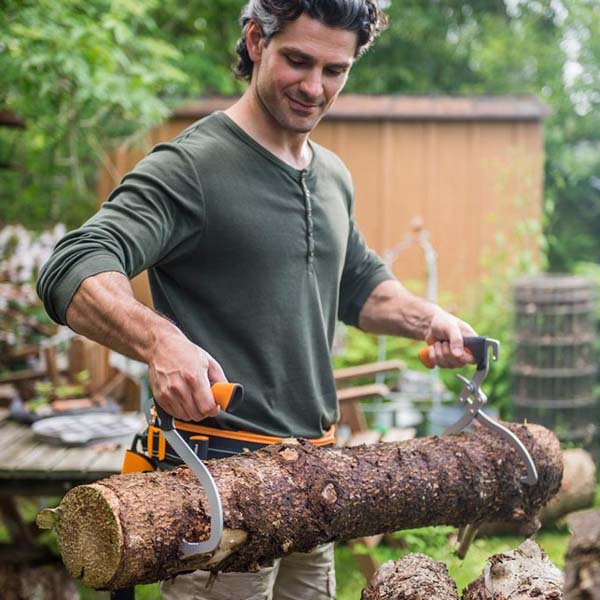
(327, 439)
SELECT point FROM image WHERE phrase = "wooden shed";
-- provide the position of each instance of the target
(471, 168)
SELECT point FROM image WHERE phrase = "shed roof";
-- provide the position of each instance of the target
(405, 108)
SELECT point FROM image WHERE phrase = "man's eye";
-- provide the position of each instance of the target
(335, 72)
(295, 61)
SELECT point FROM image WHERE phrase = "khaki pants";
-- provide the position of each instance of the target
(298, 576)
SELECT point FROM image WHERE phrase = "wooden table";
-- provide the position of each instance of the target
(29, 467)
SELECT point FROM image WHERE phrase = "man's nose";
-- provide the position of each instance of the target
(312, 85)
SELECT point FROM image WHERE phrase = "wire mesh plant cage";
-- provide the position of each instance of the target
(554, 365)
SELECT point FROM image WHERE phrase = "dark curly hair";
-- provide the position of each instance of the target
(362, 16)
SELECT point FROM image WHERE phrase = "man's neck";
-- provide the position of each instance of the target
(291, 147)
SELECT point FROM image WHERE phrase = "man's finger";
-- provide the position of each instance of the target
(177, 405)
(466, 330)
(215, 372)
(204, 401)
(456, 340)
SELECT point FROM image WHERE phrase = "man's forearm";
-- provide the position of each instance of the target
(180, 373)
(392, 310)
(105, 310)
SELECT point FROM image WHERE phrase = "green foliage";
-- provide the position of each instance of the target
(453, 46)
(425, 539)
(205, 32)
(80, 74)
(142, 592)
(573, 207)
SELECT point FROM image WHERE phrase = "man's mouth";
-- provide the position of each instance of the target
(302, 106)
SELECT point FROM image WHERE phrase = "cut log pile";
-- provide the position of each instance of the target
(290, 497)
(582, 568)
(522, 574)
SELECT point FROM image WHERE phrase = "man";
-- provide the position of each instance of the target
(246, 228)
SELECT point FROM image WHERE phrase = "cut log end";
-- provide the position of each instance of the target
(91, 538)
(413, 577)
(524, 573)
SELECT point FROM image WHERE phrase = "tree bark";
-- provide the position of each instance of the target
(291, 497)
(522, 574)
(582, 568)
(577, 491)
(413, 577)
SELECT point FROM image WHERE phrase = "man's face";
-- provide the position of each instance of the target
(300, 72)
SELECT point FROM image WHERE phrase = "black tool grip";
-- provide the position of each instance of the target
(165, 421)
(478, 348)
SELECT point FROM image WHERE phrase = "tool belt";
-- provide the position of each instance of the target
(206, 443)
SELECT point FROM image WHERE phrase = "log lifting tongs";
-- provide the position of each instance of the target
(474, 398)
(223, 393)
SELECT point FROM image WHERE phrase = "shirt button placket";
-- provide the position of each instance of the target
(310, 255)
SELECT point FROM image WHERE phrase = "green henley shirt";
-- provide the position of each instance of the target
(253, 259)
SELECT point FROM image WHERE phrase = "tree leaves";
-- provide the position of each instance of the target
(81, 74)
(85, 74)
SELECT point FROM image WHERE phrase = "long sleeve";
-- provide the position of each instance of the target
(153, 212)
(363, 272)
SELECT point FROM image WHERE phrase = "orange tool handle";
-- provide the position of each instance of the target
(424, 357)
(426, 360)
(224, 393)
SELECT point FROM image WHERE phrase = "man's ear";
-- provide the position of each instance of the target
(254, 41)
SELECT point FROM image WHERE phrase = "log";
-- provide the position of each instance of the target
(582, 561)
(413, 577)
(291, 497)
(521, 574)
(578, 488)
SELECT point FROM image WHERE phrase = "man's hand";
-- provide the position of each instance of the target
(445, 339)
(181, 374)
(391, 309)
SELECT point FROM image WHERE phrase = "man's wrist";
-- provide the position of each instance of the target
(161, 333)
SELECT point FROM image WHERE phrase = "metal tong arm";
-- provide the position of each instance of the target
(166, 422)
(471, 394)
(507, 434)
(473, 397)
